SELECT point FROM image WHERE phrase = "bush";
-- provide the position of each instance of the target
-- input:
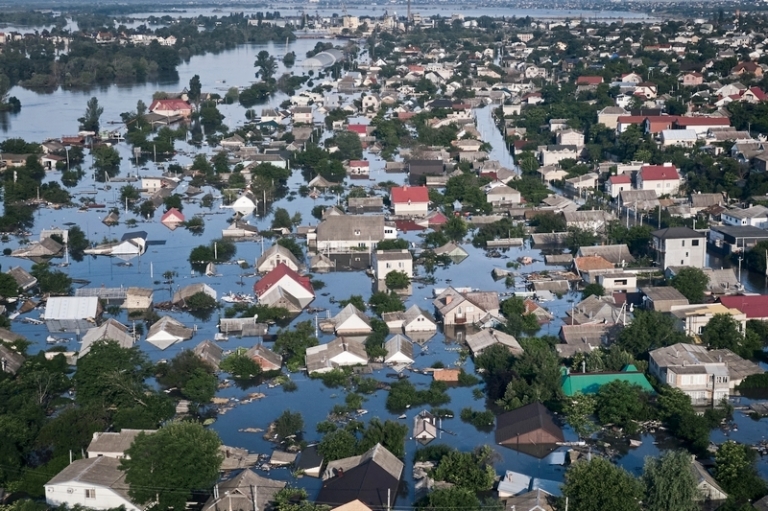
(483, 421)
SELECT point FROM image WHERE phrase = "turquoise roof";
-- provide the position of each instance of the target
(590, 383)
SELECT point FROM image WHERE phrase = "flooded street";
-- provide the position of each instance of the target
(46, 116)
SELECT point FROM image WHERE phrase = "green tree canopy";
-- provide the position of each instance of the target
(165, 467)
(691, 282)
(598, 484)
(649, 330)
(90, 120)
(736, 472)
(669, 483)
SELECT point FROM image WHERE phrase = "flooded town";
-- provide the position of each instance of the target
(315, 257)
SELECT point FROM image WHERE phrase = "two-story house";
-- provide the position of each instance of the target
(679, 246)
(706, 376)
(387, 261)
(664, 179)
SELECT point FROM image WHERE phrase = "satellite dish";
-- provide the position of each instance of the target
(70, 490)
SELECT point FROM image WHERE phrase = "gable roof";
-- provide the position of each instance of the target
(237, 493)
(407, 194)
(115, 442)
(101, 471)
(526, 419)
(372, 478)
(280, 250)
(659, 172)
(274, 276)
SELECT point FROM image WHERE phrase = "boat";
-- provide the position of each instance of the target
(362, 411)
(220, 337)
(403, 416)
(237, 298)
(635, 443)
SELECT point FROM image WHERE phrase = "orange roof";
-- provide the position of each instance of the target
(588, 263)
(446, 374)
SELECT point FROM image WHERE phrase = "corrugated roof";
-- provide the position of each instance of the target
(71, 307)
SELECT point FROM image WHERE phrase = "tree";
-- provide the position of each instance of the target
(51, 281)
(736, 472)
(578, 411)
(592, 289)
(382, 302)
(669, 483)
(187, 372)
(8, 286)
(267, 65)
(282, 219)
(200, 301)
(349, 145)
(678, 414)
(337, 445)
(105, 160)
(598, 484)
(469, 470)
(722, 331)
(451, 498)
(397, 280)
(518, 320)
(165, 467)
(621, 403)
(240, 365)
(288, 424)
(691, 282)
(293, 344)
(90, 120)
(289, 59)
(195, 90)
(455, 228)
(356, 300)
(649, 330)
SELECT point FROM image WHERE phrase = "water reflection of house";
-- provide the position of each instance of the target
(321, 264)
(452, 250)
(240, 229)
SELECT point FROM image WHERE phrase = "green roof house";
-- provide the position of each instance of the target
(590, 383)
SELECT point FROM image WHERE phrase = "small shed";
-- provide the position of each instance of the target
(138, 298)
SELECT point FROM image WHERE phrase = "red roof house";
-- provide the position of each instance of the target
(589, 80)
(663, 178)
(283, 287)
(754, 306)
(172, 218)
(410, 200)
(171, 107)
(360, 129)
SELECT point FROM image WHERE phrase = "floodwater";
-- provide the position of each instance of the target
(52, 115)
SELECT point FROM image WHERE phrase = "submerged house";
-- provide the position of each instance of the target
(530, 429)
(239, 493)
(590, 383)
(168, 331)
(372, 478)
(71, 313)
(110, 330)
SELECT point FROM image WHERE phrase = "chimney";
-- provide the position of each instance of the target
(448, 299)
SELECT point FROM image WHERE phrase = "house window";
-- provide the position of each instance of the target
(470, 309)
(361, 244)
(682, 262)
(357, 232)
(695, 243)
(399, 265)
(686, 254)
(620, 282)
(90, 494)
(683, 243)
(389, 265)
